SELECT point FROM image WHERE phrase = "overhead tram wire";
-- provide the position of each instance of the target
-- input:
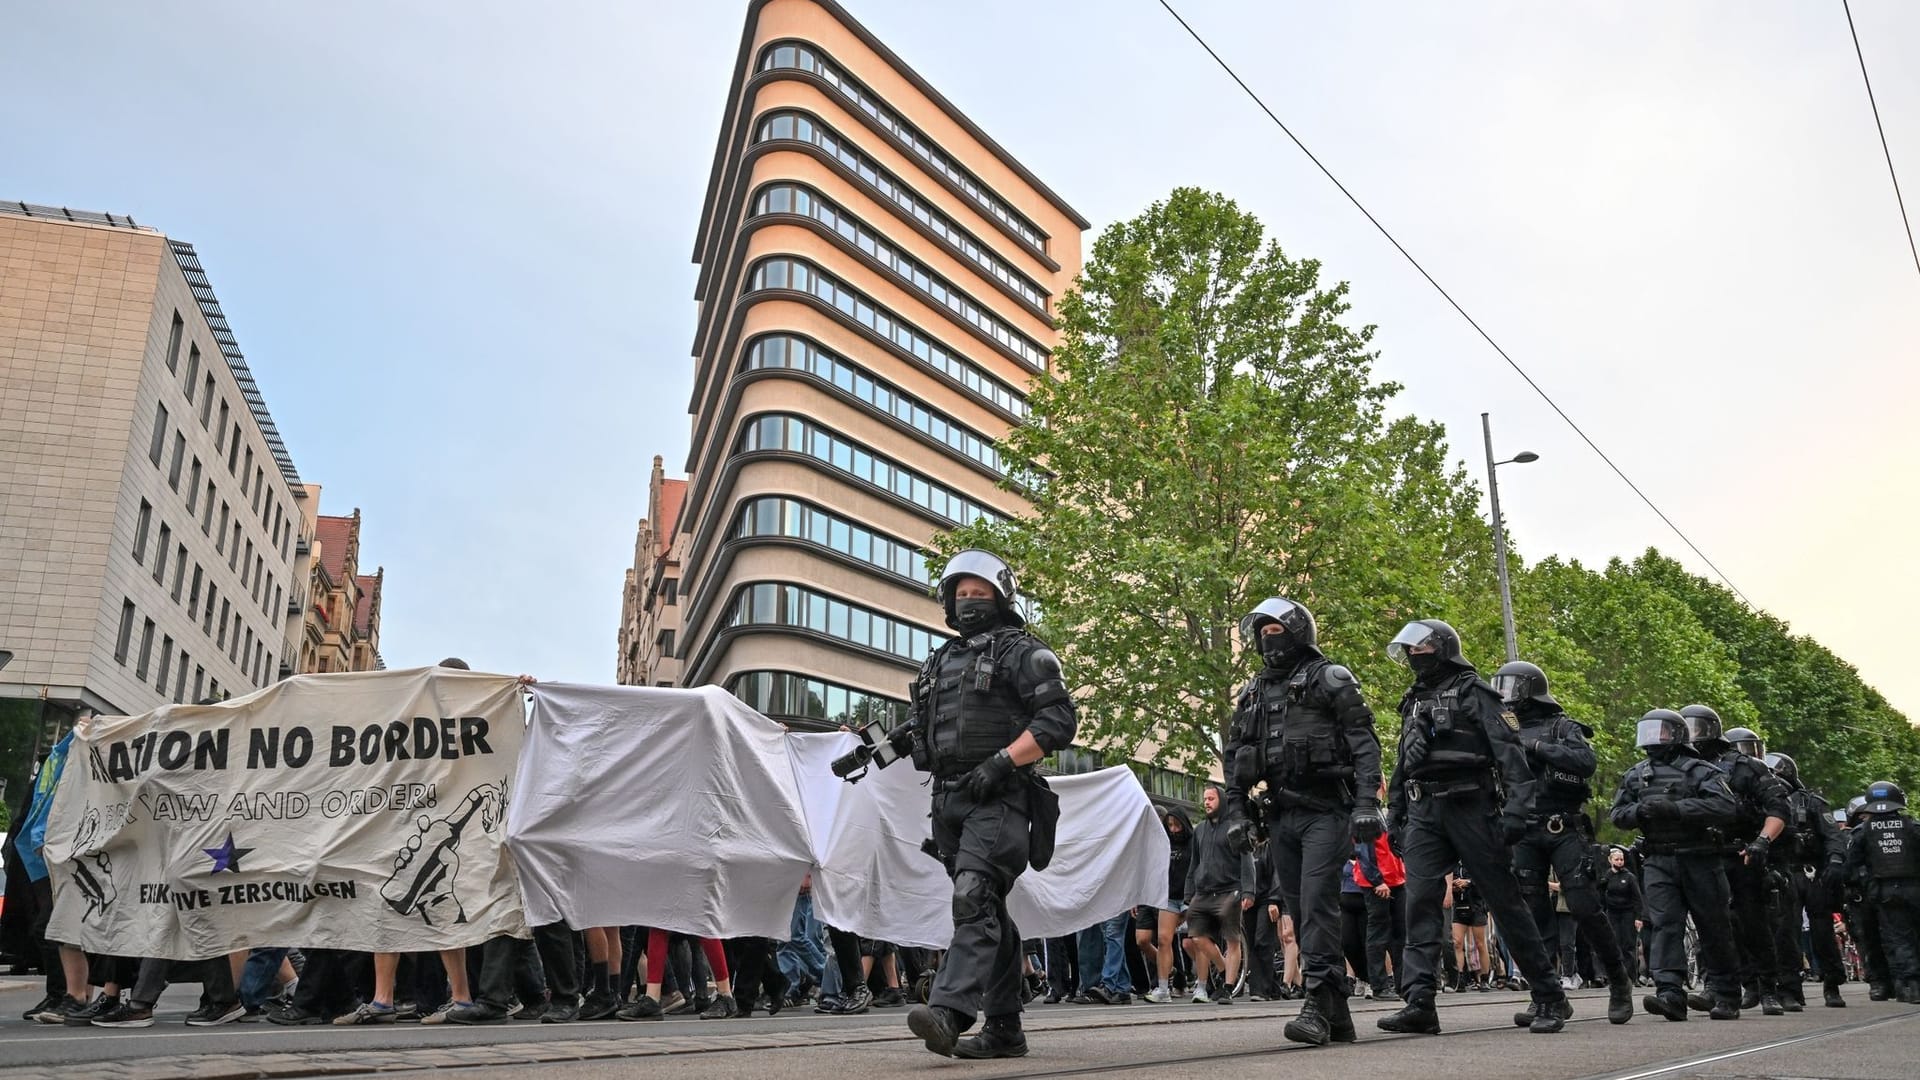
(1455, 304)
(1881, 128)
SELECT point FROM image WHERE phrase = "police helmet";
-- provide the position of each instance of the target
(1443, 639)
(1783, 766)
(1885, 797)
(1295, 618)
(1519, 681)
(1703, 724)
(1856, 806)
(1748, 742)
(985, 565)
(1661, 727)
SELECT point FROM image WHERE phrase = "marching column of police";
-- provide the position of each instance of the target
(1493, 777)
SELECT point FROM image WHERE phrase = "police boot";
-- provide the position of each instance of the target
(1000, 1038)
(1879, 991)
(1310, 1025)
(938, 1026)
(1771, 1005)
(1909, 993)
(1524, 1018)
(1339, 1018)
(1417, 1018)
(1700, 1001)
(1551, 1017)
(1619, 997)
(1671, 1004)
(1793, 997)
(1726, 1008)
(1833, 998)
(1750, 996)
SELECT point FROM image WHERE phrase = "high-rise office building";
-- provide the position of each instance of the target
(876, 293)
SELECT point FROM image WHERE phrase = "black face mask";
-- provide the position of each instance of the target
(971, 616)
(1426, 666)
(1278, 651)
(1665, 754)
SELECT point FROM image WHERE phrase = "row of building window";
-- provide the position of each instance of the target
(795, 199)
(781, 432)
(806, 59)
(787, 272)
(781, 693)
(774, 515)
(793, 125)
(265, 592)
(799, 354)
(227, 436)
(252, 656)
(769, 604)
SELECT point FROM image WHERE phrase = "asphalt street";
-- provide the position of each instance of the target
(1867, 1041)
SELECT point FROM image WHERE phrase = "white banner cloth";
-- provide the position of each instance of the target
(1110, 854)
(676, 809)
(352, 811)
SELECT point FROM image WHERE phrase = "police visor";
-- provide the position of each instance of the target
(981, 564)
(1659, 731)
(1272, 609)
(1512, 688)
(1411, 636)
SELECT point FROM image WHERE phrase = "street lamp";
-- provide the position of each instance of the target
(1500, 533)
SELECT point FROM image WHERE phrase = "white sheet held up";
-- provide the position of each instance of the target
(669, 808)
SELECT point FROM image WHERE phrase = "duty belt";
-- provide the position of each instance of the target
(1561, 822)
(1682, 849)
(1428, 789)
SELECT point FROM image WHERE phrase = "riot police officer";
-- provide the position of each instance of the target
(1763, 817)
(1889, 851)
(1559, 836)
(988, 704)
(1302, 726)
(1681, 804)
(1460, 757)
(1810, 857)
(1863, 922)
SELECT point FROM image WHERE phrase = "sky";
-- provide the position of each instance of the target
(454, 242)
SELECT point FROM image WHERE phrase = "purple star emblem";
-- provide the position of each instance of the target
(226, 856)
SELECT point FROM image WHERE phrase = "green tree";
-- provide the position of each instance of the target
(1216, 437)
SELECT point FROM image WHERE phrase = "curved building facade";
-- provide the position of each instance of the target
(876, 293)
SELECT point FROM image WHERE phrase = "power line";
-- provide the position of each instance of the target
(1544, 396)
(1895, 177)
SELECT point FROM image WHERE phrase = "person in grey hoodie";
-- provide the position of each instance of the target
(1220, 885)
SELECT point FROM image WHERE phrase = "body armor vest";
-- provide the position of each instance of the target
(1455, 742)
(1560, 791)
(975, 710)
(1801, 839)
(1675, 781)
(1893, 851)
(1751, 816)
(1301, 745)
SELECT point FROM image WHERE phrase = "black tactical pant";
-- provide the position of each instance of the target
(1897, 901)
(985, 843)
(1678, 886)
(1309, 850)
(1801, 893)
(1863, 922)
(1758, 967)
(1387, 937)
(1569, 854)
(1444, 832)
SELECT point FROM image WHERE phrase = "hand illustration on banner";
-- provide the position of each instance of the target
(426, 871)
(93, 869)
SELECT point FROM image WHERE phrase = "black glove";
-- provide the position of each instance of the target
(1512, 828)
(1757, 850)
(1834, 877)
(1239, 833)
(1628, 816)
(1367, 822)
(990, 775)
(1655, 808)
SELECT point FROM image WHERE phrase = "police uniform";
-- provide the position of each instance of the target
(1682, 805)
(1761, 795)
(1810, 860)
(1887, 849)
(1461, 788)
(1559, 836)
(1302, 726)
(975, 695)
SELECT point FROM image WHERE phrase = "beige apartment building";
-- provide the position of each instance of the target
(147, 503)
(876, 293)
(649, 605)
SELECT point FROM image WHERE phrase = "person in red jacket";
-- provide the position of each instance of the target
(1381, 875)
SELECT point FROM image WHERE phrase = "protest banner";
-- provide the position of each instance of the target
(356, 811)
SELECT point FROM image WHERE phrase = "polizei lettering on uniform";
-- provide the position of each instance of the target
(445, 738)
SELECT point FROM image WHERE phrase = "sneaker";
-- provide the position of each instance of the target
(289, 1015)
(561, 1011)
(724, 1008)
(99, 1006)
(477, 1012)
(42, 1005)
(405, 1011)
(1158, 996)
(58, 1012)
(224, 1013)
(672, 1002)
(644, 1009)
(1223, 997)
(828, 1005)
(686, 1006)
(1200, 998)
(532, 1011)
(129, 1014)
(1119, 997)
(369, 1012)
(889, 999)
(599, 1005)
(439, 1015)
(861, 1000)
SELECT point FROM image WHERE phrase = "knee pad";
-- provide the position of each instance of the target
(972, 896)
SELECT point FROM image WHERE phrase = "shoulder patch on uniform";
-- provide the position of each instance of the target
(1512, 720)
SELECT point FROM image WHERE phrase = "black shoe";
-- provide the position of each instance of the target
(1700, 1001)
(1726, 1008)
(477, 1012)
(1750, 998)
(1524, 1018)
(1619, 999)
(889, 998)
(1310, 1025)
(131, 1014)
(1095, 995)
(644, 1009)
(1385, 993)
(858, 1003)
(1053, 998)
(100, 1006)
(1832, 998)
(1909, 993)
(1879, 992)
(58, 1012)
(599, 1005)
(722, 1007)
(1794, 998)
(1340, 1019)
(1770, 1004)
(1417, 1018)
(561, 1011)
(1673, 1006)
(995, 1040)
(290, 1016)
(938, 1026)
(213, 1015)
(43, 1005)
(1552, 1016)
(534, 1011)
(1118, 997)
